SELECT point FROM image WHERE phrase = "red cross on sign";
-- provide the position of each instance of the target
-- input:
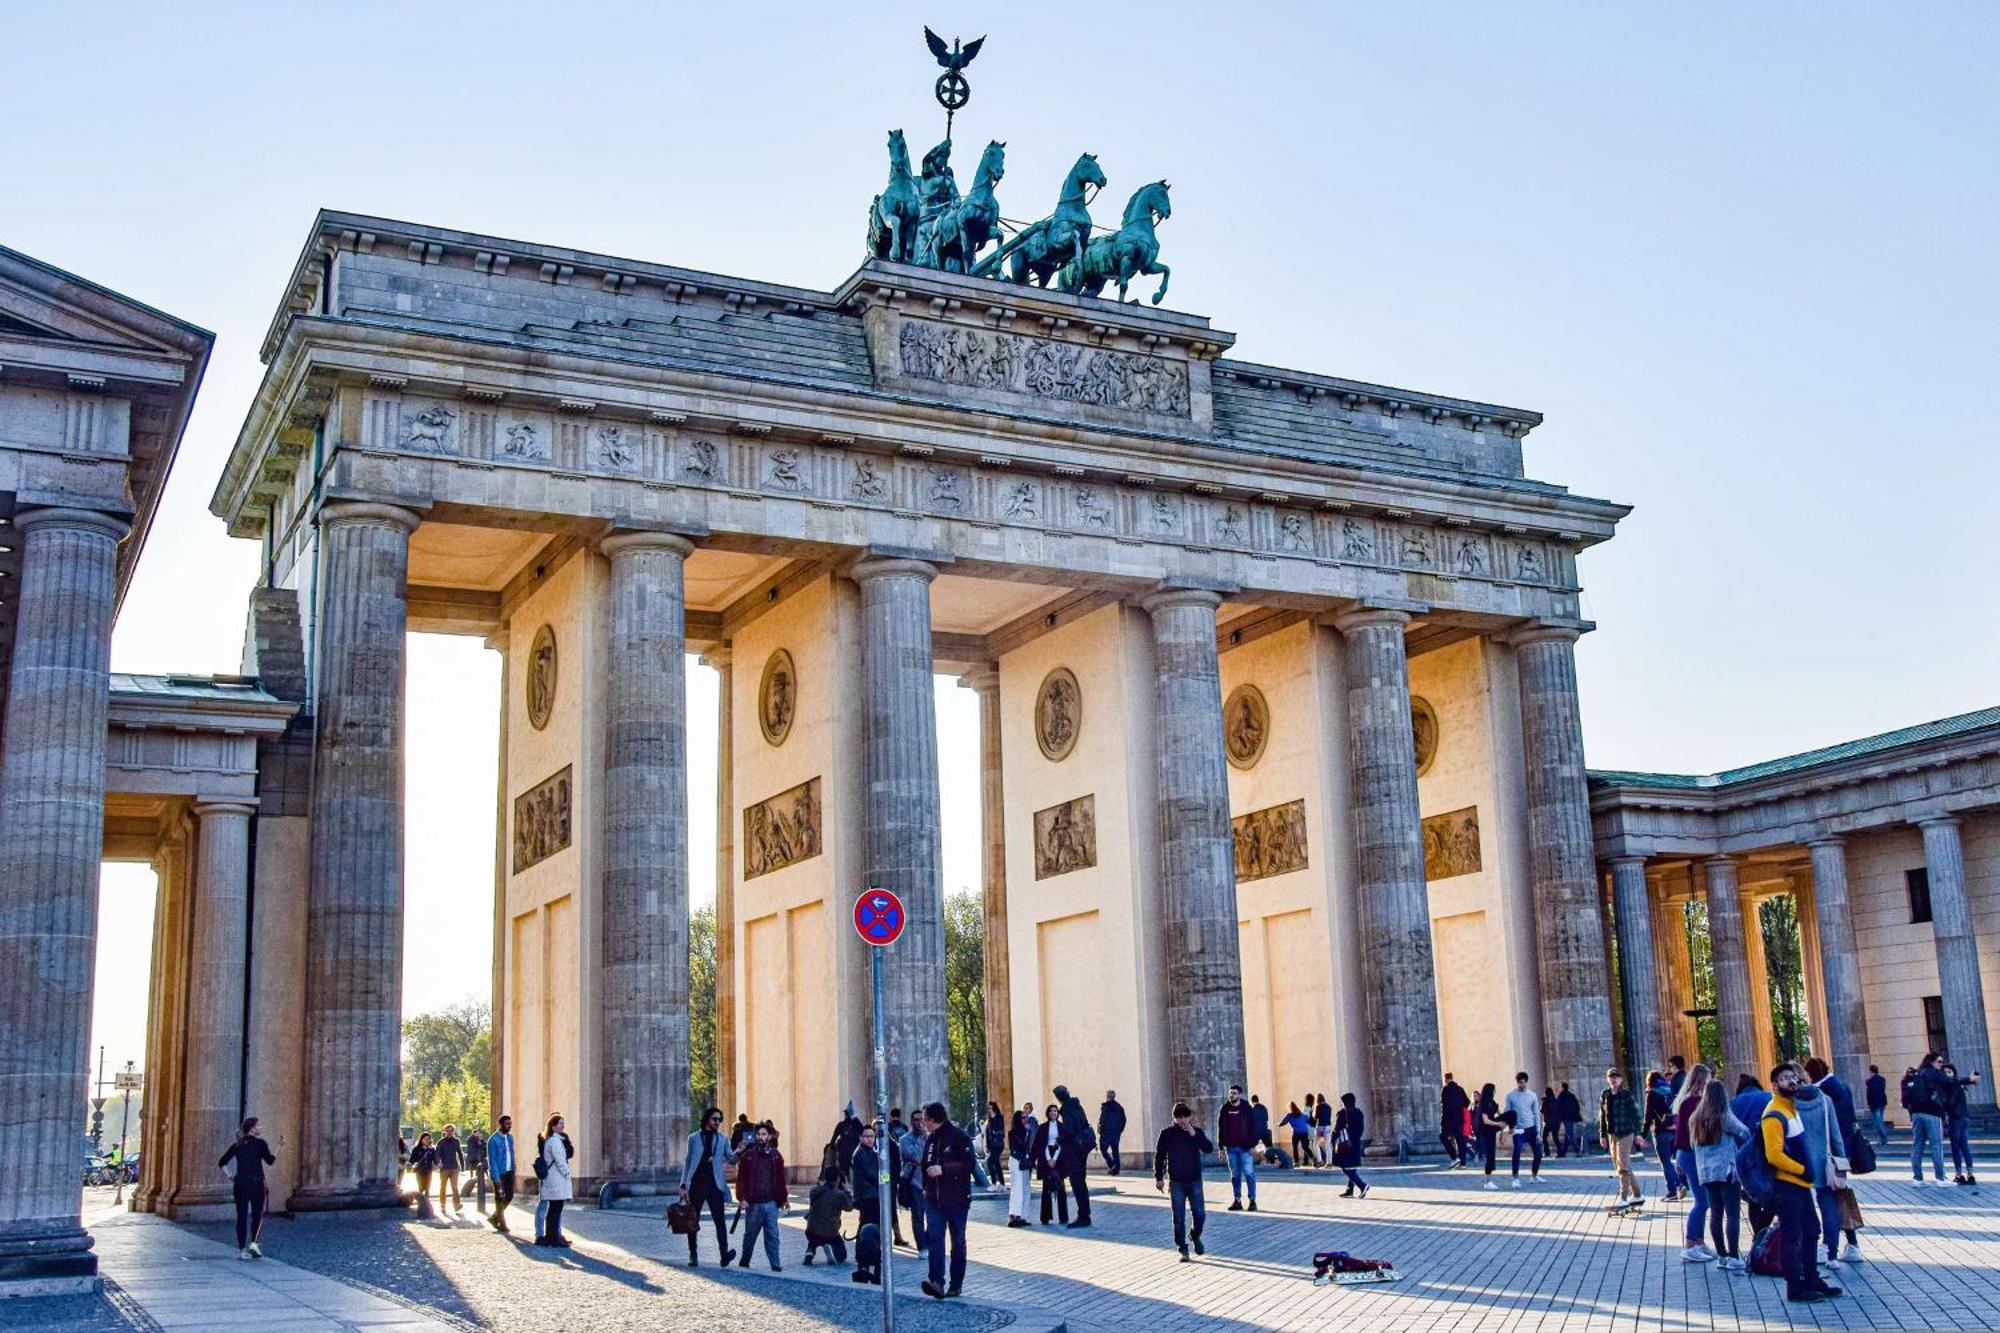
(878, 917)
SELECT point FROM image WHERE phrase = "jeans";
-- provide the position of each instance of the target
(1663, 1143)
(1829, 1220)
(1798, 1221)
(250, 1196)
(1926, 1130)
(1958, 1129)
(503, 1194)
(947, 1223)
(1108, 1145)
(1529, 1138)
(554, 1233)
(920, 1221)
(1242, 1168)
(837, 1245)
(1877, 1116)
(541, 1216)
(760, 1217)
(1186, 1195)
(1724, 1219)
(996, 1166)
(1698, 1214)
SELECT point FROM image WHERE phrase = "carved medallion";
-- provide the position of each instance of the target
(1066, 837)
(1246, 725)
(1451, 844)
(541, 821)
(781, 831)
(1270, 842)
(542, 677)
(777, 697)
(1058, 714)
(1423, 732)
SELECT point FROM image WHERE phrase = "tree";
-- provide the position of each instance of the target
(965, 1001)
(702, 1071)
(449, 1046)
(1784, 975)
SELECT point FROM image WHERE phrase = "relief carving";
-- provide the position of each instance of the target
(1066, 837)
(1270, 842)
(542, 677)
(1354, 543)
(1020, 502)
(868, 483)
(1423, 732)
(614, 450)
(1058, 714)
(700, 460)
(1528, 564)
(1091, 505)
(429, 430)
(1416, 550)
(1471, 556)
(1230, 529)
(785, 470)
(541, 821)
(946, 490)
(1166, 518)
(1451, 844)
(1095, 376)
(777, 697)
(1246, 725)
(523, 442)
(781, 831)
(1292, 533)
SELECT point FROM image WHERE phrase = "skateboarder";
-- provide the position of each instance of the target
(1618, 1121)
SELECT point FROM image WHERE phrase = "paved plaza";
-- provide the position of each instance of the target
(1542, 1257)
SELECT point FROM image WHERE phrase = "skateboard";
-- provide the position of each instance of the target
(1625, 1208)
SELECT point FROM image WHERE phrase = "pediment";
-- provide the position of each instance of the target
(42, 303)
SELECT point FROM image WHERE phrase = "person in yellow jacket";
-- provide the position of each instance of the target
(1784, 1140)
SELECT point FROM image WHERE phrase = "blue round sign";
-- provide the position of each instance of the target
(878, 917)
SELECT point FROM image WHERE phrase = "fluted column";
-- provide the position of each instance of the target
(1638, 973)
(51, 840)
(351, 1095)
(1400, 972)
(218, 979)
(1574, 970)
(1958, 958)
(900, 800)
(1679, 1034)
(995, 979)
(643, 1077)
(723, 660)
(1730, 959)
(1197, 886)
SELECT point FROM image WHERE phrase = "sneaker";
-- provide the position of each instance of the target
(1729, 1265)
(1236, 1207)
(1347, 1193)
(1853, 1255)
(255, 1253)
(243, 1254)
(1490, 1185)
(1695, 1254)
(1364, 1191)
(1517, 1182)
(1199, 1248)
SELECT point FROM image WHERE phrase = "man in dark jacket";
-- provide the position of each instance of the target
(1877, 1089)
(1178, 1157)
(1452, 1106)
(947, 1176)
(1569, 1114)
(1110, 1127)
(1236, 1131)
(1077, 1141)
(760, 1186)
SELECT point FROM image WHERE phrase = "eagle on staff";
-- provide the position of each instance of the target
(951, 89)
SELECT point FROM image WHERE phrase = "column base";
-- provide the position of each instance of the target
(58, 1262)
(366, 1195)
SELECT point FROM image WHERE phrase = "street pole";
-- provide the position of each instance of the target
(883, 1203)
(124, 1123)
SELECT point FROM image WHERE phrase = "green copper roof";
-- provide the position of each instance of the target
(1942, 729)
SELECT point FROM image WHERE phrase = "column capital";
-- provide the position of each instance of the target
(225, 805)
(1934, 821)
(626, 542)
(1827, 840)
(1628, 859)
(79, 520)
(1544, 632)
(1368, 617)
(1167, 598)
(341, 512)
(983, 680)
(1719, 860)
(721, 657)
(883, 564)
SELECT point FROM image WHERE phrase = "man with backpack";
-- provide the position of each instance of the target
(1078, 1140)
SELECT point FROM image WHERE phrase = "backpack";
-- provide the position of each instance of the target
(1753, 1169)
(1767, 1252)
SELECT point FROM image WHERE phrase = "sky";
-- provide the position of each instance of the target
(1740, 257)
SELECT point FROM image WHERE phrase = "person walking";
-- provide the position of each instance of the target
(1345, 1149)
(451, 1160)
(864, 1174)
(500, 1162)
(1617, 1124)
(1452, 1106)
(824, 1206)
(475, 1162)
(1077, 1141)
(423, 1163)
(1020, 1152)
(1923, 1093)
(1716, 1136)
(1877, 1090)
(1236, 1131)
(1300, 1126)
(556, 1151)
(245, 1161)
(1957, 1124)
(1523, 1115)
(1323, 1131)
(1659, 1127)
(996, 1143)
(1048, 1159)
(947, 1185)
(1178, 1157)
(910, 1189)
(1110, 1128)
(703, 1183)
(760, 1188)
(1692, 1092)
(1486, 1127)
(1570, 1113)
(1782, 1135)
(1260, 1115)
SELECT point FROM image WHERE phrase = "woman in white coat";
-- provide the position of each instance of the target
(555, 1152)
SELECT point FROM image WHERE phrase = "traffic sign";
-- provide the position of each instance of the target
(879, 917)
(128, 1080)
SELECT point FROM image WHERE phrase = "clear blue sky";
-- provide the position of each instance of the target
(1742, 260)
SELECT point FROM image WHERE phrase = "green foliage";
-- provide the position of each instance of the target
(1701, 962)
(1784, 975)
(453, 1101)
(965, 1002)
(701, 1009)
(447, 1062)
(478, 1062)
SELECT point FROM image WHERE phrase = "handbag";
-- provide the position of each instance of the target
(1836, 1176)
(682, 1219)
(1861, 1155)
(1850, 1210)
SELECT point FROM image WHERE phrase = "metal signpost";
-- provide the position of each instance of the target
(879, 919)
(127, 1080)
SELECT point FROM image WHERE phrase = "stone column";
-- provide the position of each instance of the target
(1638, 979)
(643, 1107)
(51, 840)
(350, 1093)
(1679, 1034)
(723, 660)
(1197, 885)
(1957, 958)
(1839, 962)
(1575, 972)
(900, 799)
(1400, 974)
(218, 966)
(1763, 1019)
(996, 979)
(1731, 963)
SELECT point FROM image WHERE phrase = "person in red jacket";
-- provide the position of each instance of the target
(1236, 1131)
(760, 1188)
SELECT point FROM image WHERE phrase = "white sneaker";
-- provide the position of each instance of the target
(243, 1254)
(1490, 1185)
(1730, 1265)
(1696, 1254)
(255, 1253)
(1853, 1255)
(1517, 1182)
